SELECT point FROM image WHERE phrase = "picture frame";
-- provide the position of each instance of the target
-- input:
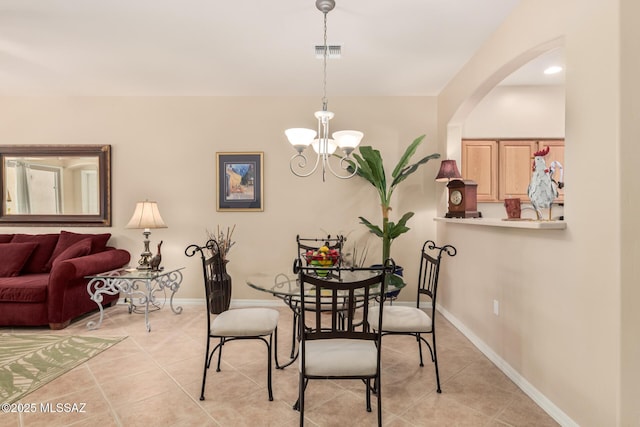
(240, 181)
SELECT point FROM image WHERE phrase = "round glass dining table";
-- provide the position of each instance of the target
(287, 285)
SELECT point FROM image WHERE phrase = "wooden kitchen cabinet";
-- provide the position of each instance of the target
(514, 172)
(502, 168)
(480, 164)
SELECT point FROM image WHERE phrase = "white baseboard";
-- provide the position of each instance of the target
(541, 400)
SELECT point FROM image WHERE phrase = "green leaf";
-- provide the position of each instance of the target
(396, 230)
(372, 227)
(393, 280)
(408, 153)
(373, 160)
(364, 170)
(412, 168)
(406, 217)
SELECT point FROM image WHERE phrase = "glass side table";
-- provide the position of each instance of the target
(136, 285)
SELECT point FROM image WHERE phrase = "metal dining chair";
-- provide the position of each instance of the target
(234, 324)
(416, 321)
(340, 346)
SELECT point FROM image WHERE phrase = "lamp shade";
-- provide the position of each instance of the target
(300, 136)
(348, 138)
(320, 149)
(146, 215)
(448, 171)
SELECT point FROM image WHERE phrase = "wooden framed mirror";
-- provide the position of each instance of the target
(67, 185)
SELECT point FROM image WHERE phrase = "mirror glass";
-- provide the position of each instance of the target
(57, 185)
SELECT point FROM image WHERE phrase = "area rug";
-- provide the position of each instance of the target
(27, 362)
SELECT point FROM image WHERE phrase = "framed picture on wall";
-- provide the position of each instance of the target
(240, 185)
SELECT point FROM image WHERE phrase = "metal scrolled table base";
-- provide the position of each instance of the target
(133, 287)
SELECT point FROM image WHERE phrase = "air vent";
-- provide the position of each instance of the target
(335, 51)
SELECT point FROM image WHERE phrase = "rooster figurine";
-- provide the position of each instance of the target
(154, 262)
(543, 189)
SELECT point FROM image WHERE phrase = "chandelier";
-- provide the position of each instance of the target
(322, 144)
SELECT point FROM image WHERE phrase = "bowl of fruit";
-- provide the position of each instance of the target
(322, 259)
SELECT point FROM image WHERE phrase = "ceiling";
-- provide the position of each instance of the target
(238, 48)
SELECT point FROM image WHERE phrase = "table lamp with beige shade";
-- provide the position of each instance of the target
(146, 216)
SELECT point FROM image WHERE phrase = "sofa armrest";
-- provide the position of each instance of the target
(71, 272)
(96, 263)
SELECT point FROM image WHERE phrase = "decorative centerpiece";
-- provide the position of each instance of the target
(221, 294)
(322, 259)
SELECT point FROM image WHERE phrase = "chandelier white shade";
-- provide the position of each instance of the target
(300, 138)
(324, 146)
(320, 147)
(348, 140)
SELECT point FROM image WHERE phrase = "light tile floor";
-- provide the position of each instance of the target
(155, 378)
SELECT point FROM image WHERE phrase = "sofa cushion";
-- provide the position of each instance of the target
(14, 257)
(78, 249)
(67, 239)
(28, 288)
(38, 262)
(5, 238)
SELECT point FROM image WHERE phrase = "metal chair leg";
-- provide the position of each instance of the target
(435, 361)
(379, 395)
(219, 353)
(206, 366)
(368, 395)
(270, 390)
(294, 335)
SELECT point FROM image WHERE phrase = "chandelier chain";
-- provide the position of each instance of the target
(324, 67)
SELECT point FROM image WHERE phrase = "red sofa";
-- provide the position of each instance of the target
(42, 276)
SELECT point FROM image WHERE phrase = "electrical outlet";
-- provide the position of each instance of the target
(496, 307)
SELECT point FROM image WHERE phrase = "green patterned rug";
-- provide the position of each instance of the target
(27, 362)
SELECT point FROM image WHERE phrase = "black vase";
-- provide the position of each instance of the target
(221, 292)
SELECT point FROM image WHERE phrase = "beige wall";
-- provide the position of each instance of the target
(164, 149)
(630, 212)
(559, 291)
(518, 112)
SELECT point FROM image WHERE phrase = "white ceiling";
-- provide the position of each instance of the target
(238, 48)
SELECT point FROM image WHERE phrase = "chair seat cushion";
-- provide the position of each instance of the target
(245, 322)
(340, 358)
(400, 319)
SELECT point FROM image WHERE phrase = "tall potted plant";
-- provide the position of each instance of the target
(371, 168)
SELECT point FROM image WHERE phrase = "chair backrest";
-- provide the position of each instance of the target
(212, 266)
(342, 300)
(430, 258)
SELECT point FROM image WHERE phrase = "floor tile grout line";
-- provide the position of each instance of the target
(114, 414)
(193, 399)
